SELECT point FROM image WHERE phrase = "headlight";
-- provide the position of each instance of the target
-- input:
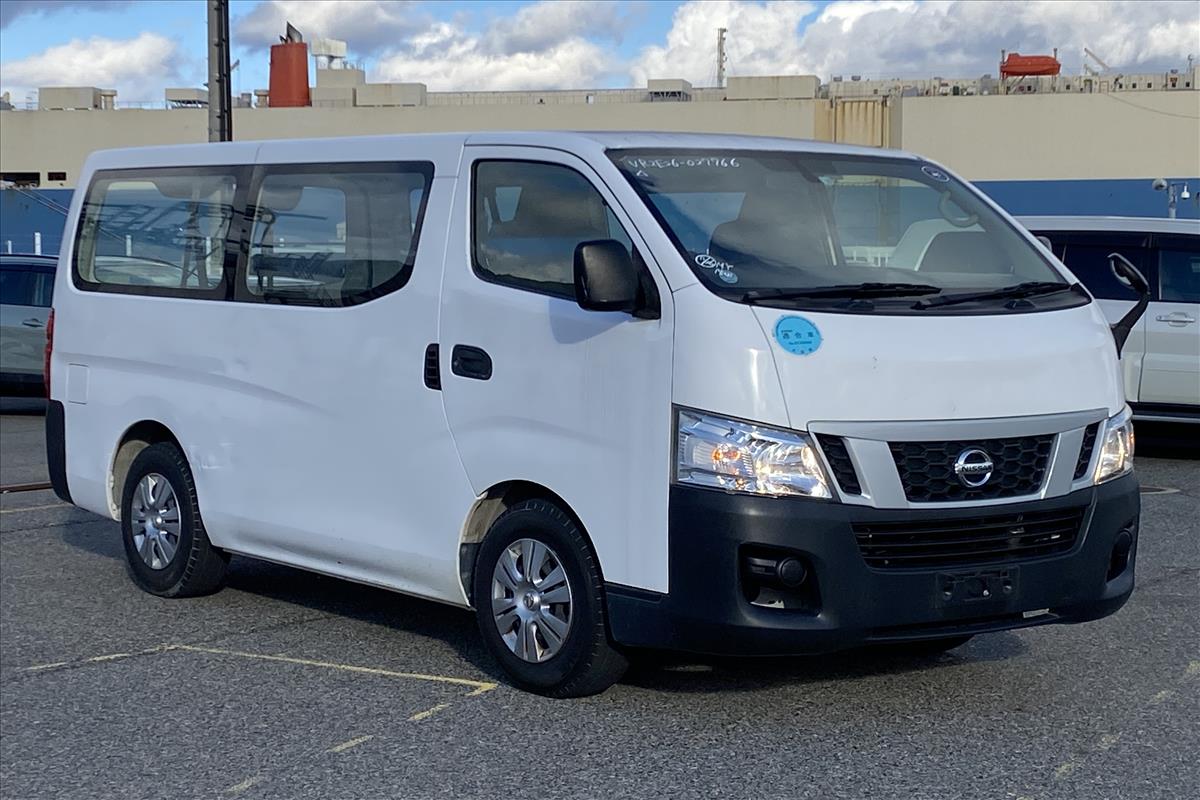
(1116, 448)
(744, 457)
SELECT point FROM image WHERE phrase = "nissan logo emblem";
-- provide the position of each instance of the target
(973, 467)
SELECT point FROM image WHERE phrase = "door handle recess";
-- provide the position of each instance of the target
(1178, 318)
(33, 323)
(471, 362)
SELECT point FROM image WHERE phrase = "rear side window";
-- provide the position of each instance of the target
(1179, 269)
(333, 234)
(157, 231)
(26, 287)
(528, 219)
(1086, 255)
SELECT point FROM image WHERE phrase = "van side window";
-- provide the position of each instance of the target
(334, 234)
(156, 231)
(1086, 255)
(528, 218)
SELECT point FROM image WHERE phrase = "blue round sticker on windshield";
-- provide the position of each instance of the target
(797, 335)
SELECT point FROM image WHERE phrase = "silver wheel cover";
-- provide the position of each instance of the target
(531, 600)
(155, 521)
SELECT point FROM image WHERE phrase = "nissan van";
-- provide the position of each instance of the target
(618, 391)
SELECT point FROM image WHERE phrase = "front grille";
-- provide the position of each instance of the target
(927, 468)
(840, 463)
(1085, 451)
(968, 541)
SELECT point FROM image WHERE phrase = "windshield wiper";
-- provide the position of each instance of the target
(850, 290)
(1019, 290)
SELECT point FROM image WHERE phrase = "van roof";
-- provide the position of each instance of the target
(1111, 224)
(445, 148)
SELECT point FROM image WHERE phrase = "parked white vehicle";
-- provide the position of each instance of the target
(708, 393)
(1161, 359)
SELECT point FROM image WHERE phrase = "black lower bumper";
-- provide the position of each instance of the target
(845, 603)
(56, 449)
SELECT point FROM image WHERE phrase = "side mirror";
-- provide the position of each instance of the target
(1131, 276)
(605, 278)
(1127, 273)
(1045, 240)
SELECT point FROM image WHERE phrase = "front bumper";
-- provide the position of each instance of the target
(707, 609)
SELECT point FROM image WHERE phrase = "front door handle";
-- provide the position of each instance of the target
(471, 362)
(1176, 318)
(33, 322)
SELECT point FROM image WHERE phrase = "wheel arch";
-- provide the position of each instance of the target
(488, 508)
(136, 438)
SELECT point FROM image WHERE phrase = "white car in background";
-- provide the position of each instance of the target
(1161, 359)
(26, 290)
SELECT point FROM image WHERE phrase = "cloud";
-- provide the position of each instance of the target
(545, 45)
(544, 25)
(137, 68)
(368, 26)
(12, 9)
(885, 38)
(762, 39)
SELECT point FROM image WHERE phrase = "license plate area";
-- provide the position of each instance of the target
(981, 586)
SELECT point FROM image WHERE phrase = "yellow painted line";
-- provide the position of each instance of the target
(33, 508)
(1064, 770)
(98, 659)
(246, 784)
(428, 713)
(1193, 669)
(479, 686)
(344, 746)
(1108, 740)
(1161, 696)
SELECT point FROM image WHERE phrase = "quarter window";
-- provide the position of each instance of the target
(157, 232)
(529, 217)
(334, 235)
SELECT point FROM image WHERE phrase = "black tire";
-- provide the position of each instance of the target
(196, 567)
(586, 662)
(927, 648)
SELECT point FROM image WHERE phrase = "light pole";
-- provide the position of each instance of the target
(1176, 191)
(220, 100)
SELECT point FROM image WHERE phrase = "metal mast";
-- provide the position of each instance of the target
(220, 99)
(721, 57)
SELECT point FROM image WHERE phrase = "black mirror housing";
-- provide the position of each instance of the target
(1124, 271)
(605, 277)
(1131, 276)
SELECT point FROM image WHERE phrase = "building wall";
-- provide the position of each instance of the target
(40, 141)
(1057, 137)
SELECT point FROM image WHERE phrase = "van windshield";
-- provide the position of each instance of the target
(801, 229)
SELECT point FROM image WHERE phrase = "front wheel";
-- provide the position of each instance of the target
(539, 600)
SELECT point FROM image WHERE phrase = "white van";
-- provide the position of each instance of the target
(613, 391)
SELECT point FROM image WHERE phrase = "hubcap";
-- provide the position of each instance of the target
(155, 521)
(531, 600)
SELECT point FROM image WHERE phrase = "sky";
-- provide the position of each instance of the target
(141, 47)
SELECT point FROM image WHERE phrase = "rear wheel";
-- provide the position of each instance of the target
(540, 604)
(166, 546)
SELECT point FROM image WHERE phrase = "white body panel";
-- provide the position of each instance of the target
(314, 441)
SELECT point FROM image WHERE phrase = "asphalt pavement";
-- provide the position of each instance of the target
(291, 685)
